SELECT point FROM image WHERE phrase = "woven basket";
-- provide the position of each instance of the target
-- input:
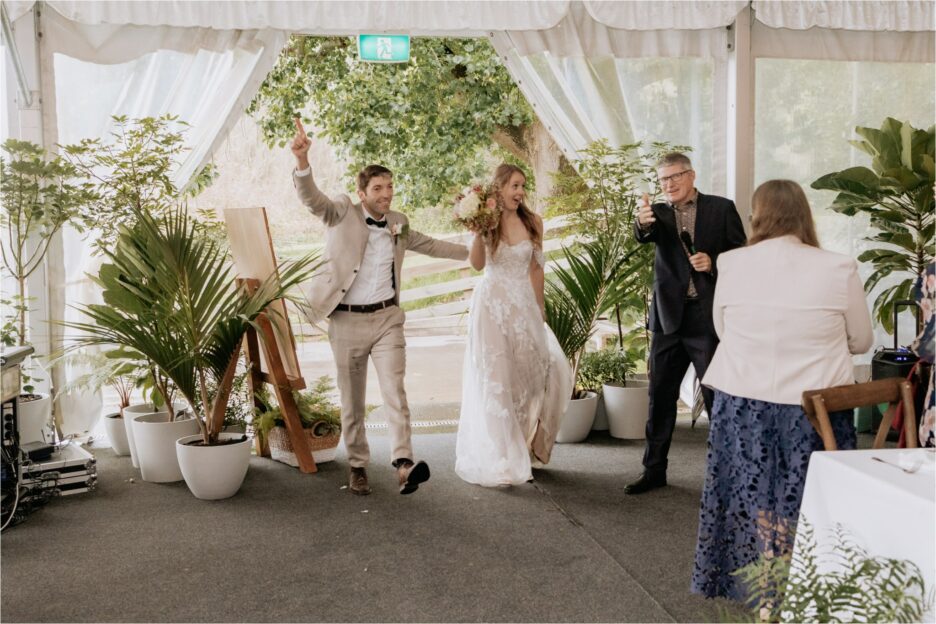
(323, 447)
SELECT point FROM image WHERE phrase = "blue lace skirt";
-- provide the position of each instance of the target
(758, 453)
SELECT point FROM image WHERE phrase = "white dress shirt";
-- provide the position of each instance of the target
(789, 317)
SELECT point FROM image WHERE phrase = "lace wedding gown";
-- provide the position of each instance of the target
(516, 380)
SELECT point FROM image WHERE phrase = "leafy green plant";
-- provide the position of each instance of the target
(170, 294)
(40, 195)
(609, 271)
(120, 368)
(600, 192)
(316, 410)
(607, 366)
(860, 589)
(897, 194)
(133, 172)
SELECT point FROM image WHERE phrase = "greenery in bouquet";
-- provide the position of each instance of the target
(477, 209)
(317, 411)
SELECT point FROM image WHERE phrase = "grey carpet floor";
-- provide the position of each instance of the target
(289, 547)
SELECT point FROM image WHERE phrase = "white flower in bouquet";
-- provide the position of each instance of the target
(468, 205)
(476, 209)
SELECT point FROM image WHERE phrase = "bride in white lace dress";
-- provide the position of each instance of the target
(516, 380)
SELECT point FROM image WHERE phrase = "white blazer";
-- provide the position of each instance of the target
(789, 317)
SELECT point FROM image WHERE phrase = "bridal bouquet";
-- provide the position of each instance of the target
(476, 209)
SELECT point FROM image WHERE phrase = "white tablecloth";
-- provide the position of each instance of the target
(883, 509)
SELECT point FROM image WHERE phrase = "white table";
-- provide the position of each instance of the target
(883, 509)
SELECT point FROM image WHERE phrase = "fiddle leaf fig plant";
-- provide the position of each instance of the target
(896, 192)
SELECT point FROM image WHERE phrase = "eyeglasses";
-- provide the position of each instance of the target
(676, 177)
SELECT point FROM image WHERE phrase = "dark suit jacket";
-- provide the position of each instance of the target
(718, 228)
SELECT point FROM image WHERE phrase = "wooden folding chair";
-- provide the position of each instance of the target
(818, 403)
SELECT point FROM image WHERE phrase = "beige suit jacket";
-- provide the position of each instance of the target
(345, 241)
(789, 317)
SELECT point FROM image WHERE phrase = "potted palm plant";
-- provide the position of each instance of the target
(114, 368)
(40, 195)
(321, 423)
(613, 274)
(170, 294)
(576, 296)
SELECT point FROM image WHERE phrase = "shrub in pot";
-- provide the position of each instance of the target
(40, 195)
(321, 422)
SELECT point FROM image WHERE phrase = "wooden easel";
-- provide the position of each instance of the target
(254, 260)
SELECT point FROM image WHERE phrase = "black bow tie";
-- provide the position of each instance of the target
(380, 224)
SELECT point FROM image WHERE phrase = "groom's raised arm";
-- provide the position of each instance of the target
(316, 201)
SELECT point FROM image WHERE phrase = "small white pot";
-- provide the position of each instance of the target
(155, 441)
(33, 417)
(132, 411)
(117, 433)
(214, 472)
(578, 419)
(627, 407)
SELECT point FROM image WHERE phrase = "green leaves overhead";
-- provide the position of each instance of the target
(430, 120)
(897, 194)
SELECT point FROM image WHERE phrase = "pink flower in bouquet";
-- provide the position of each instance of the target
(476, 209)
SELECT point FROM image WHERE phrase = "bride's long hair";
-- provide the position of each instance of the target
(501, 178)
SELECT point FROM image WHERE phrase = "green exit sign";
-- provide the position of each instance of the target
(383, 48)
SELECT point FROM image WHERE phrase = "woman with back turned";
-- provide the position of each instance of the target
(789, 316)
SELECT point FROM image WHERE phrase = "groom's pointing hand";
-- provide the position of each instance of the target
(300, 146)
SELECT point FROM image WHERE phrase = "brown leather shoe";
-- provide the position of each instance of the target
(411, 475)
(358, 482)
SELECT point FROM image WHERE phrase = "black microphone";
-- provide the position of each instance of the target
(687, 241)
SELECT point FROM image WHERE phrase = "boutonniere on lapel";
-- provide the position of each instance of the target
(399, 229)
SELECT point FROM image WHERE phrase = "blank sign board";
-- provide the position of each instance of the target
(252, 250)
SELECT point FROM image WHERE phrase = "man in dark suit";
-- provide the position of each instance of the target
(690, 230)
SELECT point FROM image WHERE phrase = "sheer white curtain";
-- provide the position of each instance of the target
(823, 68)
(204, 76)
(587, 80)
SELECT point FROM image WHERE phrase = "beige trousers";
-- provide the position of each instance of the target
(354, 337)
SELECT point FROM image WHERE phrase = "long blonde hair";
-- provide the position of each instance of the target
(501, 178)
(780, 208)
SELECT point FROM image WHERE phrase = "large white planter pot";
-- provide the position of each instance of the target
(131, 412)
(32, 418)
(578, 419)
(627, 409)
(117, 433)
(155, 442)
(214, 472)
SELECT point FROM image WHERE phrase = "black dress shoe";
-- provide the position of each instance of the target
(411, 475)
(645, 483)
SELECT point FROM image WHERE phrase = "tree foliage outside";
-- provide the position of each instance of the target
(435, 122)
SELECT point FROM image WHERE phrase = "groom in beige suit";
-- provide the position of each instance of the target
(358, 290)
